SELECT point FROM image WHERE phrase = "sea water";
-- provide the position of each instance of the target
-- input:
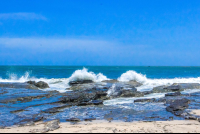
(58, 77)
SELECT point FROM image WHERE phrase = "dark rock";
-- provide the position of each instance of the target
(42, 85)
(89, 119)
(173, 88)
(147, 92)
(51, 111)
(124, 91)
(173, 94)
(93, 102)
(178, 106)
(191, 118)
(144, 100)
(130, 92)
(18, 85)
(171, 118)
(73, 120)
(80, 82)
(31, 82)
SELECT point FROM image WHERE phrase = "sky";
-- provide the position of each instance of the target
(100, 32)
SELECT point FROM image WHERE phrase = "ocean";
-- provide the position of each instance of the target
(58, 77)
(19, 105)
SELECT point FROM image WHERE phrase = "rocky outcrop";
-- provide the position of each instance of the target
(134, 83)
(40, 84)
(110, 81)
(173, 94)
(178, 106)
(18, 85)
(71, 83)
(176, 87)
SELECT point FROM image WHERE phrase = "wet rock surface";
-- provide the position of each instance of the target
(173, 94)
(40, 84)
(177, 107)
(176, 87)
(20, 105)
(80, 82)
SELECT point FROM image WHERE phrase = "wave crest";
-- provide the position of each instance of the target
(132, 75)
(85, 75)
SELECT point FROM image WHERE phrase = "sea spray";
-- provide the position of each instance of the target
(61, 84)
(132, 75)
(85, 75)
(111, 90)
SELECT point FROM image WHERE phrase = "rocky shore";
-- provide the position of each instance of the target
(25, 104)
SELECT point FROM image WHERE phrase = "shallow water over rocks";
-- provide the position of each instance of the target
(20, 105)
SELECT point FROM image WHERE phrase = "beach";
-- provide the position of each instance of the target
(186, 126)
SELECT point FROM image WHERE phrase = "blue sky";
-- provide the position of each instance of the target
(100, 32)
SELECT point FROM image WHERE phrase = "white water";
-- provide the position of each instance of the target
(62, 83)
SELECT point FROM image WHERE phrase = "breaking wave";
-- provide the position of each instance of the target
(85, 75)
(60, 84)
(132, 75)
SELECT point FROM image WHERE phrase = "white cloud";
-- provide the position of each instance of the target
(56, 44)
(22, 16)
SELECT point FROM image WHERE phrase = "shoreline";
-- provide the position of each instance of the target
(176, 126)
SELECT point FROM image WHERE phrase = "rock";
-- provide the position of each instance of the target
(144, 100)
(93, 102)
(160, 89)
(80, 82)
(176, 87)
(191, 118)
(42, 85)
(147, 92)
(73, 120)
(110, 81)
(49, 126)
(188, 85)
(89, 119)
(52, 125)
(173, 88)
(31, 82)
(173, 94)
(178, 106)
(2, 127)
(18, 85)
(77, 87)
(134, 83)
(51, 111)
(120, 90)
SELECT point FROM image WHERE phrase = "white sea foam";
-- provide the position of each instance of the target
(132, 75)
(60, 84)
(85, 75)
(111, 90)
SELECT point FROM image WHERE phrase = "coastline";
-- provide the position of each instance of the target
(176, 126)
